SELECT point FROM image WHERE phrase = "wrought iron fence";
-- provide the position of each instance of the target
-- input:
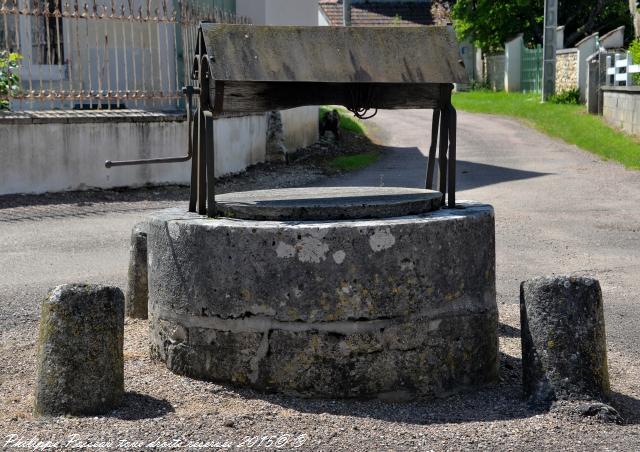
(107, 54)
(531, 69)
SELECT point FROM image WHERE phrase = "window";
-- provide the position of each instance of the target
(46, 33)
(8, 30)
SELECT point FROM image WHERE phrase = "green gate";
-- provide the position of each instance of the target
(531, 72)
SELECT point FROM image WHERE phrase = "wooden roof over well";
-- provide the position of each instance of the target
(249, 53)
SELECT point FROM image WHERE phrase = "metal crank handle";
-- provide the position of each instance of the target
(110, 163)
(188, 91)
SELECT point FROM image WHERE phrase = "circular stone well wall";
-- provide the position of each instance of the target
(394, 308)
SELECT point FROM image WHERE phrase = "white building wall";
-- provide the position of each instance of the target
(240, 142)
(292, 12)
(300, 125)
(586, 48)
(513, 64)
(613, 39)
(254, 9)
(60, 156)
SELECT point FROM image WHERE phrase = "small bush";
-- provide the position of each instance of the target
(634, 50)
(347, 120)
(570, 97)
(9, 77)
(480, 85)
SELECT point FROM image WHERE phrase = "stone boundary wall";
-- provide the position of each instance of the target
(566, 70)
(621, 108)
(49, 151)
(494, 66)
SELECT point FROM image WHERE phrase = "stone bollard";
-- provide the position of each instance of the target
(276, 149)
(80, 366)
(564, 353)
(137, 293)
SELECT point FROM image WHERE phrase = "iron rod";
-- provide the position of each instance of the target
(435, 124)
(211, 185)
(110, 164)
(202, 165)
(189, 91)
(444, 142)
(195, 134)
(453, 121)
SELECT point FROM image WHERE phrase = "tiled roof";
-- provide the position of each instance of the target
(388, 13)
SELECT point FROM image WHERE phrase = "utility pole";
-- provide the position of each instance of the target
(549, 48)
(346, 13)
(634, 8)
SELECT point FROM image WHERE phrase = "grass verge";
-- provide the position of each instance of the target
(347, 120)
(350, 123)
(570, 123)
(354, 162)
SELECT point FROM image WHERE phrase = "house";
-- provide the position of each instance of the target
(279, 12)
(394, 13)
(362, 13)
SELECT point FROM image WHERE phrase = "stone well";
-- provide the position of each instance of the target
(307, 293)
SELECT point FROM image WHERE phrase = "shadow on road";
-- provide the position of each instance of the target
(407, 167)
(16, 208)
(474, 175)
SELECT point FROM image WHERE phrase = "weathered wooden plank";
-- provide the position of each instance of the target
(253, 97)
(333, 54)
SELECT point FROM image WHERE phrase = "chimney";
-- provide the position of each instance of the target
(346, 12)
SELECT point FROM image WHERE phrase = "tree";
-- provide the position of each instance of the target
(491, 23)
(585, 17)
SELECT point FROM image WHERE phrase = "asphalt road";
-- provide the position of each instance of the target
(558, 209)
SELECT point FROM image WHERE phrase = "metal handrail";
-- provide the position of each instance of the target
(188, 91)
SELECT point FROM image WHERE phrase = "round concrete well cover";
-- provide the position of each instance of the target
(328, 203)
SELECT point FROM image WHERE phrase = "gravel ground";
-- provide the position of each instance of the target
(161, 407)
(47, 240)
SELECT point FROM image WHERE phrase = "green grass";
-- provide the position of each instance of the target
(570, 123)
(350, 123)
(354, 162)
(347, 120)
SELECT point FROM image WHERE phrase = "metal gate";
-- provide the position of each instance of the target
(531, 69)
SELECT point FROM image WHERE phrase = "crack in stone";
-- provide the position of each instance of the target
(261, 352)
(463, 306)
(261, 324)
